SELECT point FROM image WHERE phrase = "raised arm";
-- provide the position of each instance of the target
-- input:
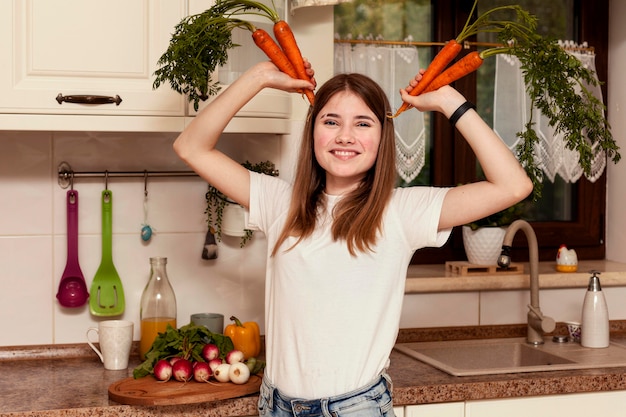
(506, 181)
(196, 144)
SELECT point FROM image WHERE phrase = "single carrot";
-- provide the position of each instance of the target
(466, 65)
(450, 50)
(287, 41)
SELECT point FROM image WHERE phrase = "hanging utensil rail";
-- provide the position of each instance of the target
(67, 175)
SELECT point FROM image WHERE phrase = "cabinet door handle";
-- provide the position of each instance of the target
(89, 99)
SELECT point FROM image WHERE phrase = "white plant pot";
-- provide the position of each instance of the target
(483, 245)
(234, 220)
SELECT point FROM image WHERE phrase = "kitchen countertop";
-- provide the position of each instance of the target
(69, 380)
(436, 278)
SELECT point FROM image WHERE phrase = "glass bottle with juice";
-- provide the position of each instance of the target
(150, 329)
(158, 305)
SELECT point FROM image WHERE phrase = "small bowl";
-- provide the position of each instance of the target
(573, 328)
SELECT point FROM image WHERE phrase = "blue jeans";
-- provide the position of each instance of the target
(373, 400)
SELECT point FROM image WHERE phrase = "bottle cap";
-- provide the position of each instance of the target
(594, 282)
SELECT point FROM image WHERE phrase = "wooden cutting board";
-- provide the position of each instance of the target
(148, 391)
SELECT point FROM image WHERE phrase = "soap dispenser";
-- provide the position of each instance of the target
(595, 316)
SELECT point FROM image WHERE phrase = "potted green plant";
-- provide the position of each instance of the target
(219, 206)
(482, 239)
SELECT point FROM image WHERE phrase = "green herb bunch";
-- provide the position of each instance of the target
(556, 83)
(186, 342)
(199, 45)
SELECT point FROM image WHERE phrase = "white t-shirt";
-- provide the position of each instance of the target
(331, 318)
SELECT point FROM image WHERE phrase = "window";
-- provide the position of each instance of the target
(568, 213)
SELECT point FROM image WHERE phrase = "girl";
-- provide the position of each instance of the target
(341, 236)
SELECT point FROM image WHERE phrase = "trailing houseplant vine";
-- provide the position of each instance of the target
(216, 201)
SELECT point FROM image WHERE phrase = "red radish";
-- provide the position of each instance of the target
(162, 370)
(221, 373)
(234, 356)
(201, 372)
(214, 363)
(182, 370)
(210, 351)
(239, 373)
(174, 359)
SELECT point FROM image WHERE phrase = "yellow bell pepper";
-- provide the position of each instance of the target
(246, 337)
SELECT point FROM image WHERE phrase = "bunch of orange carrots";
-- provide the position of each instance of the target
(285, 54)
(288, 59)
(438, 73)
(435, 77)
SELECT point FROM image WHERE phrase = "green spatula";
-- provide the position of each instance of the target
(106, 296)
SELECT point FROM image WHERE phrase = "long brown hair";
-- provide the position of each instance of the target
(357, 218)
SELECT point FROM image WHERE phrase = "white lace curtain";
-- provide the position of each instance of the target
(392, 67)
(511, 112)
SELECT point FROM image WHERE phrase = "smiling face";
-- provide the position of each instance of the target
(346, 138)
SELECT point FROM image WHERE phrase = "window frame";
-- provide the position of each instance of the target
(453, 161)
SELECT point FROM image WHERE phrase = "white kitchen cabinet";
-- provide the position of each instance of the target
(605, 404)
(455, 409)
(102, 54)
(89, 50)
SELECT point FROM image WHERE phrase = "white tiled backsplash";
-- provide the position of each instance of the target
(33, 246)
(33, 231)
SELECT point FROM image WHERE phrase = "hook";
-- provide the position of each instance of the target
(72, 180)
(146, 230)
(145, 183)
(106, 180)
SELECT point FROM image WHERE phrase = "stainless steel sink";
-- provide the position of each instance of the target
(511, 355)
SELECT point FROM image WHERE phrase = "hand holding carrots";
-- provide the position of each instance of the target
(444, 100)
(413, 84)
(415, 81)
(310, 72)
(269, 75)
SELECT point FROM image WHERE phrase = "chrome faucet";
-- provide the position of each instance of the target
(538, 324)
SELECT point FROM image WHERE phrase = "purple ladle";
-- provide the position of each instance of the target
(72, 287)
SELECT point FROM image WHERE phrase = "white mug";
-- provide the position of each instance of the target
(115, 338)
